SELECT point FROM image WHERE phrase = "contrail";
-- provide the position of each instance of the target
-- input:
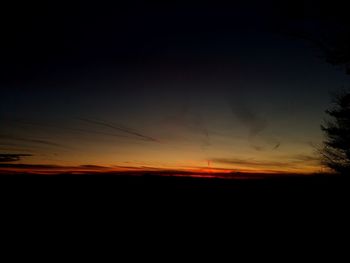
(122, 129)
(69, 129)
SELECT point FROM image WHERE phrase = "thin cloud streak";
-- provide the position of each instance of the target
(276, 146)
(36, 141)
(8, 158)
(293, 161)
(121, 129)
(66, 128)
(120, 170)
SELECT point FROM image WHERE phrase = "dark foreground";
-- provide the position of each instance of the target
(148, 185)
(138, 198)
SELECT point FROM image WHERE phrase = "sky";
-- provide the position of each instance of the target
(186, 87)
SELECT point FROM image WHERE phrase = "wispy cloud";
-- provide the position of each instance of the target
(288, 162)
(304, 158)
(276, 146)
(15, 147)
(57, 127)
(259, 148)
(129, 131)
(90, 166)
(30, 140)
(29, 166)
(88, 169)
(8, 158)
(52, 166)
(248, 162)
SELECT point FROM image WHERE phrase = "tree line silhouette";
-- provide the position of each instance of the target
(331, 35)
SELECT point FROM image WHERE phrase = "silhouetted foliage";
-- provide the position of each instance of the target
(327, 27)
(336, 149)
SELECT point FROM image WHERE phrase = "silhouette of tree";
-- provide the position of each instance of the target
(336, 150)
(327, 27)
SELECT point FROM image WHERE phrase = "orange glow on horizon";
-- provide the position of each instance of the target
(207, 172)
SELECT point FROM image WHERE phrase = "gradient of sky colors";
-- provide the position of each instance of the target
(167, 87)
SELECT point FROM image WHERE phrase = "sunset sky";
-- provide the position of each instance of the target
(168, 87)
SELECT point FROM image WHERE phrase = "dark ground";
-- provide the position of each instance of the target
(312, 203)
(178, 213)
(318, 187)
